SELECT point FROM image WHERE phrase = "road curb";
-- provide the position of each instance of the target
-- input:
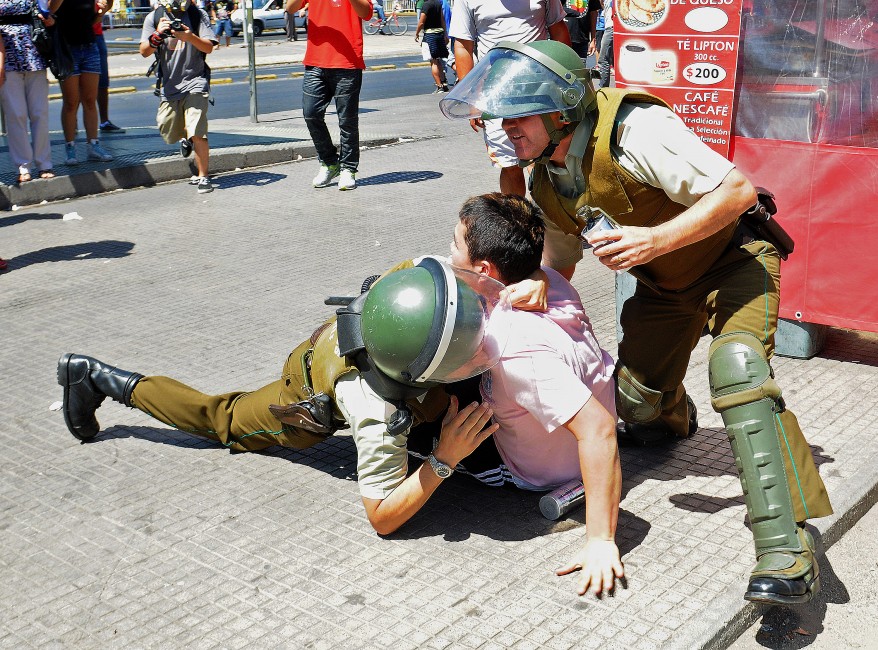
(734, 614)
(152, 173)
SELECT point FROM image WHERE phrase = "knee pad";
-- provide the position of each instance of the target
(635, 403)
(739, 372)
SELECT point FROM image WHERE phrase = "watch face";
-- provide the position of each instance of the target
(442, 470)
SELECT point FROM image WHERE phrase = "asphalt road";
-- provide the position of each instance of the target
(233, 100)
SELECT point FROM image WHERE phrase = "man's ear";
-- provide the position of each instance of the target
(485, 267)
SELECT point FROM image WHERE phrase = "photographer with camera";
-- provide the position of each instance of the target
(179, 35)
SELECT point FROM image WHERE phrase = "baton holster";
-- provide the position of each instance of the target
(759, 220)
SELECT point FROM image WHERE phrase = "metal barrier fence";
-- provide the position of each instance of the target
(129, 17)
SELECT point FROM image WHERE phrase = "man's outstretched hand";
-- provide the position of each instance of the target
(600, 564)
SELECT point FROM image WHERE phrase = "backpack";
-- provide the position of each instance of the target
(194, 15)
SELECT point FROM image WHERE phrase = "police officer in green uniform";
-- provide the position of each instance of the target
(379, 367)
(674, 205)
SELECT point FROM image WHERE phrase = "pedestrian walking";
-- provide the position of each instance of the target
(334, 70)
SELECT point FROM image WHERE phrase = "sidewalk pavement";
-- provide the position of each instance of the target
(152, 538)
(143, 159)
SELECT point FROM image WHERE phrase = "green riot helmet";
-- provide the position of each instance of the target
(516, 80)
(434, 323)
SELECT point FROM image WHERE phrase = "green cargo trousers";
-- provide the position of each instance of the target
(239, 420)
(741, 293)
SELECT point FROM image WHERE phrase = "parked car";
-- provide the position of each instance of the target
(267, 14)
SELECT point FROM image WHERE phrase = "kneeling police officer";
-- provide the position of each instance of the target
(676, 205)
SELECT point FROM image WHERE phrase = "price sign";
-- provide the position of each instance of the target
(686, 52)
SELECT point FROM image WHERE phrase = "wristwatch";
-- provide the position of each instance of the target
(442, 470)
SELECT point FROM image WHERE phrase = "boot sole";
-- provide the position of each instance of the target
(778, 599)
(64, 380)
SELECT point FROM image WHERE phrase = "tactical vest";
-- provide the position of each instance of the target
(628, 201)
(317, 362)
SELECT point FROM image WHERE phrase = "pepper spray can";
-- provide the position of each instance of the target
(562, 500)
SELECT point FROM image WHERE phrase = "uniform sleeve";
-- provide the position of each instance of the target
(463, 23)
(554, 12)
(545, 385)
(382, 459)
(657, 147)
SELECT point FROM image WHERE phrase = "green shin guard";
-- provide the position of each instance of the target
(745, 394)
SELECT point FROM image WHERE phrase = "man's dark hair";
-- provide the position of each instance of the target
(507, 231)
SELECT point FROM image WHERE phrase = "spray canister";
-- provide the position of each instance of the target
(562, 500)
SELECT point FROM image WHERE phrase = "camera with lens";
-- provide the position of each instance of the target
(176, 25)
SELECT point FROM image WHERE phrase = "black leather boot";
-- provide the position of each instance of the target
(86, 383)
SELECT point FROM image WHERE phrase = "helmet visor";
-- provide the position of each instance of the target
(476, 329)
(507, 83)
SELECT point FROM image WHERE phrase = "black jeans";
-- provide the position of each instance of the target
(319, 87)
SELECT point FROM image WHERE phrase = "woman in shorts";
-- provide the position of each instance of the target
(75, 19)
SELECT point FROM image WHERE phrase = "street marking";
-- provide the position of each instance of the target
(221, 80)
(55, 96)
(121, 89)
(296, 75)
(265, 77)
(389, 66)
(418, 64)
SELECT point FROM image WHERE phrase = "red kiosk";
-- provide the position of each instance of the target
(788, 89)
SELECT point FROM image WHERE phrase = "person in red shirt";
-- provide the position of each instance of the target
(334, 69)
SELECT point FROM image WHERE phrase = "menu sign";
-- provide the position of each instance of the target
(686, 52)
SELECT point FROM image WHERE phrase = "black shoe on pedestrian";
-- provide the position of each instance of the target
(653, 435)
(109, 127)
(86, 383)
(185, 147)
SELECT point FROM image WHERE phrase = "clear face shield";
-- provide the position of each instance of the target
(509, 83)
(475, 328)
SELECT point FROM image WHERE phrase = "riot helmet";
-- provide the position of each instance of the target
(517, 80)
(434, 323)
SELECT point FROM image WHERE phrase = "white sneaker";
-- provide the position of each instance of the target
(325, 175)
(347, 180)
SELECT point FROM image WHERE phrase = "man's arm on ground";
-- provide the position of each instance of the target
(631, 246)
(595, 431)
(462, 432)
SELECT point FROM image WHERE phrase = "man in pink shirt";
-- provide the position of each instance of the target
(552, 393)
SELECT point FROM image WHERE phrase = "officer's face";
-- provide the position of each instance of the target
(528, 135)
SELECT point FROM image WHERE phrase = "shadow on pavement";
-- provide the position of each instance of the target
(706, 453)
(400, 177)
(464, 507)
(106, 249)
(249, 179)
(21, 217)
(851, 346)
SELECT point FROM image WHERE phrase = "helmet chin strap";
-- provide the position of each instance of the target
(555, 137)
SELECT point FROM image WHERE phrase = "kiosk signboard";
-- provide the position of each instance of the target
(686, 52)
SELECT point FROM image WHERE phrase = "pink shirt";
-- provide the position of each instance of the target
(552, 365)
